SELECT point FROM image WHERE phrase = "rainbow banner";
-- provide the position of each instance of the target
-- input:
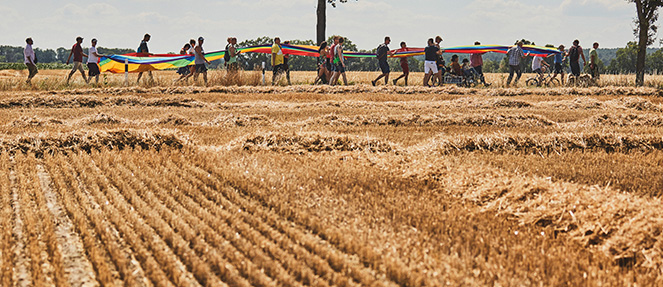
(137, 62)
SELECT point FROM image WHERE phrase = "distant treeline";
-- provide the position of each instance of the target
(614, 60)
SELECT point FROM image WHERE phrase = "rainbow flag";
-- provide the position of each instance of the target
(140, 63)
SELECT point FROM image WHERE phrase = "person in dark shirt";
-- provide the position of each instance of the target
(143, 51)
(77, 51)
(432, 53)
(382, 53)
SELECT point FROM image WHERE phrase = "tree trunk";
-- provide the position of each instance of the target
(643, 38)
(322, 21)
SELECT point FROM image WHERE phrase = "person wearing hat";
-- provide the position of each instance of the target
(30, 60)
(77, 51)
(515, 55)
(144, 51)
(92, 62)
(200, 61)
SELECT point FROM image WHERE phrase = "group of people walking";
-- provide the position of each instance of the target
(332, 64)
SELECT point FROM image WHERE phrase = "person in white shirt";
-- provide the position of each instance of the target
(93, 60)
(537, 64)
(30, 60)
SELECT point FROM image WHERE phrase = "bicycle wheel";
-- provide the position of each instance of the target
(532, 82)
(554, 82)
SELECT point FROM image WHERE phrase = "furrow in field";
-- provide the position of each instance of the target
(330, 265)
(85, 221)
(335, 253)
(278, 263)
(167, 246)
(193, 250)
(76, 265)
(34, 225)
(22, 274)
(158, 263)
(7, 238)
(216, 234)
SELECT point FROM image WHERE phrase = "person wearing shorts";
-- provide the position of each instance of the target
(537, 66)
(30, 60)
(77, 51)
(338, 62)
(404, 64)
(200, 61)
(144, 51)
(432, 53)
(382, 53)
(559, 63)
(278, 61)
(184, 72)
(93, 62)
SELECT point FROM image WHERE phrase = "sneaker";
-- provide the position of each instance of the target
(373, 82)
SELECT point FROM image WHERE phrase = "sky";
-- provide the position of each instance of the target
(122, 23)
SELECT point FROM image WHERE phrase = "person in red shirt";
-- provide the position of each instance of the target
(77, 51)
(404, 65)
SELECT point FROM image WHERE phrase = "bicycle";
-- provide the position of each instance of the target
(547, 80)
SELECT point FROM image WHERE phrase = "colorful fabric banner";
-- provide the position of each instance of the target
(141, 63)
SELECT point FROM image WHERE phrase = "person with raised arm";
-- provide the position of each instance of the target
(404, 64)
(93, 62)
(200, 61)
(277, 60)
(432, 53)
(476, 62)
(515, 55)
(144, 51)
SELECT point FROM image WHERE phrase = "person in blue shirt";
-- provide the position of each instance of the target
(559, 63)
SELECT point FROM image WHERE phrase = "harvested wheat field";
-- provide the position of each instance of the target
(331, 186)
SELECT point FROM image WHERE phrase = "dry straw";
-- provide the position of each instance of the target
(49, 143)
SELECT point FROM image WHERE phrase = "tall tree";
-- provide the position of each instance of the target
(645, 29)
(321, 27)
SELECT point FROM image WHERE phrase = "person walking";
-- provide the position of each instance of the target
(324, 67)
(93, 62)
(575, 53)
(277, 60)
(559, 62)
(30, 60)
(404, 64)
(594, 61)
(233, 66)
(382, 53)
(432, 53)
(144, 51)
(200, 61)
(516, 55)
(77, 51)
(185, 72)
(339, 63)
(476, 62)
(286, 58)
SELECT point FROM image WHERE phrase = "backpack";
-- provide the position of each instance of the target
(226, 55)
(377, 51)
(574, 54)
